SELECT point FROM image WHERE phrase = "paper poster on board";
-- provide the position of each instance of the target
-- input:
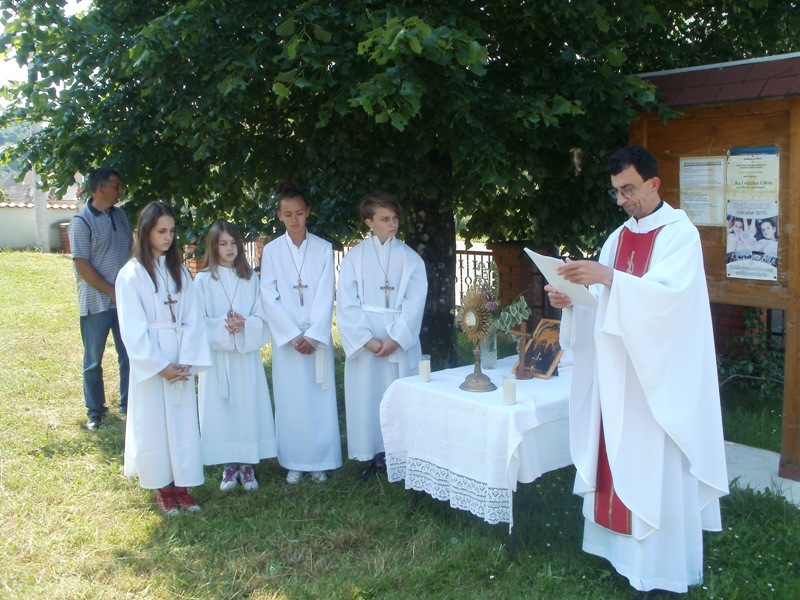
(751, 190)
(702, 189)
(752, 241)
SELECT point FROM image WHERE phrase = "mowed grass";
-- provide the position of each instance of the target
(74, 527)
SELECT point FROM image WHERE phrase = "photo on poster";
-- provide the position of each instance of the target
(752, 239)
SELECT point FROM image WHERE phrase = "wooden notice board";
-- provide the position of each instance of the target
(713, 130)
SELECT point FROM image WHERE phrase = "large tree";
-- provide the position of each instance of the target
(498, 112)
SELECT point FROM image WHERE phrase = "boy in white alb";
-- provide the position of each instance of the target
(379, 306)
(297, 288)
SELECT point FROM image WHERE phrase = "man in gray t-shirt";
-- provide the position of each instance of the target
(100, 240)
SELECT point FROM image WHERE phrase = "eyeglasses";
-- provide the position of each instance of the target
(625, 191)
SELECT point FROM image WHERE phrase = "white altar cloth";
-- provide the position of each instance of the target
(469, 448)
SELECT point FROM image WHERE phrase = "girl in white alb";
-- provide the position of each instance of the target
(236, 424)
(161, 323)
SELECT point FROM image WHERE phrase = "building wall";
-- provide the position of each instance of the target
(18, 224)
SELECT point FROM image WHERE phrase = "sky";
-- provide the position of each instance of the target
(10, 71)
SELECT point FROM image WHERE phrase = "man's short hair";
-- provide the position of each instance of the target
(100, 176)
(635, 156)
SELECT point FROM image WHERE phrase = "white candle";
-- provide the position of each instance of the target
(425, 367)
(509, 389)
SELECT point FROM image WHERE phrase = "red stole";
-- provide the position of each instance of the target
(634, 251)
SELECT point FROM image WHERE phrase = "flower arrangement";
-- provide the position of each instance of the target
(503, 318)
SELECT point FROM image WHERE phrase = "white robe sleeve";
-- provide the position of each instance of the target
(256, 331)
(281, 325)
(144, 353)
(414, 285)
(219, 338)
(194, 348)
(354, 326)
(678, 373)
(321, 315)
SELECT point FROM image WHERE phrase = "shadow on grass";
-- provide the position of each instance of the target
(352, 539)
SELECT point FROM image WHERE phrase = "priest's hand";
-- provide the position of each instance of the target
(557, 299)
(303, 346)
(389, 346)
(586, 272)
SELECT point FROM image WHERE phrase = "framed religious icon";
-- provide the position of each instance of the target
(542, 351)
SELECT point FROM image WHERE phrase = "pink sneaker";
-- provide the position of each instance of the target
(230, 477)
(248, 477)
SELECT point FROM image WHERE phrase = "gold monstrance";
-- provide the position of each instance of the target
(476, 323)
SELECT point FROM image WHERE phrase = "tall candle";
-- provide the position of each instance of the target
(509, 389)
(425, 367)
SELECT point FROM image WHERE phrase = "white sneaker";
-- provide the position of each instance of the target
(248, 478)
(319, 476)
(230, 477)
(293, 477)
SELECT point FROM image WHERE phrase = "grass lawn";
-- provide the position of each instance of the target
(74, 527)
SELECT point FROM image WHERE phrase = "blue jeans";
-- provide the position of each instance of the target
(94, 333)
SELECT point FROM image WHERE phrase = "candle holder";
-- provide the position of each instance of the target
(477, 381)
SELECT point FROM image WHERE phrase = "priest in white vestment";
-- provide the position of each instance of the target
(645, 423)
(297, 289)
(380, 301)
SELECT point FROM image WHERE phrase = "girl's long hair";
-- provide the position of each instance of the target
(211, 260)
(142, 250)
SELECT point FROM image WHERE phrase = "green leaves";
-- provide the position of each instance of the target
(286, 28)
(512, 315)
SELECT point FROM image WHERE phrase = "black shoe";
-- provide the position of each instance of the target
(380, 460)
(654, 594)
(378, 463)
(369, 472)
(93, 423)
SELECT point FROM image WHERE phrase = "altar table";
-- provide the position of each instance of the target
(469, 448)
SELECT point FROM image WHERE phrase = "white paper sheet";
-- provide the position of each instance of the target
(579, 294)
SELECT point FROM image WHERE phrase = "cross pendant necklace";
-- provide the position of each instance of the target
(230, 299)
(170, 302)
(299, 287)
(385, 287)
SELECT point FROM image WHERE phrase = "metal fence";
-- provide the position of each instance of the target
(470, 264)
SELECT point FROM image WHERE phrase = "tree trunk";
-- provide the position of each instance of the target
(432, 235)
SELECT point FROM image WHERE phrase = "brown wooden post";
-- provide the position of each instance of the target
(789, 466)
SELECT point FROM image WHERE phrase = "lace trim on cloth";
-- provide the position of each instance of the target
(493, 505)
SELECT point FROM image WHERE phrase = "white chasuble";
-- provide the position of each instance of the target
(644, 365)
(162, 437)
(361, 314)
(306, 415)
(236, 422)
